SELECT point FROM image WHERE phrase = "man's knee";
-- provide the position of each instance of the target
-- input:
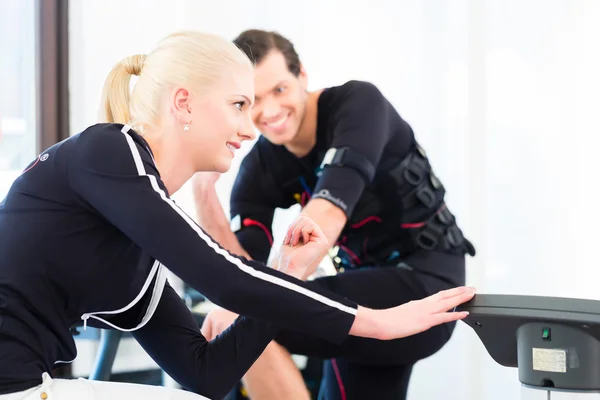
(216, 322)
(275, 376)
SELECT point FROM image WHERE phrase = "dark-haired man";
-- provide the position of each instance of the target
(351, 161)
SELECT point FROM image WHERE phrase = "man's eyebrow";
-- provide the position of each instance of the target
(276, 85)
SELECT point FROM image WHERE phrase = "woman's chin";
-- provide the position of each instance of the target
(223, 166)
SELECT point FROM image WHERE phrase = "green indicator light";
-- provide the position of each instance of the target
(546, 333)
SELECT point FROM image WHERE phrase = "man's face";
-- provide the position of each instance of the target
(280, 99)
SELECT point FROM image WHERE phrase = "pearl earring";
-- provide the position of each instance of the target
(186, 127)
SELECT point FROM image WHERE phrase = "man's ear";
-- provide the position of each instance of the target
(303, 77)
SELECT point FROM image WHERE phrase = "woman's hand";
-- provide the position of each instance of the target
(302, 249)
(412, 317)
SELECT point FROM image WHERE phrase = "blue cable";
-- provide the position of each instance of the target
(305, 186)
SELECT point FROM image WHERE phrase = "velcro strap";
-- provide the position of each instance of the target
(412, 170)
(348, 157)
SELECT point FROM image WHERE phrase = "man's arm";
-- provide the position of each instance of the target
(329, 217)
(211, 217)
(253, 201)
(360, 126)
(210, 214)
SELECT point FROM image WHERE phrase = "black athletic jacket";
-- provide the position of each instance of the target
(86, 233)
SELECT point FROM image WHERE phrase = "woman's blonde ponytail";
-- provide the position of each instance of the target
(115, 104)
(190, 59)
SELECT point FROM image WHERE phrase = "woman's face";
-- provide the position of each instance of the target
(220, 120)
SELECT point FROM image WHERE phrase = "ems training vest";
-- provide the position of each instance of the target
(366, 161)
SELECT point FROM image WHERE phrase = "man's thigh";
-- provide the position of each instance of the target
(380, 287)
(349, 381)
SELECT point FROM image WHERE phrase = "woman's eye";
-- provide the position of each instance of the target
(240, 105)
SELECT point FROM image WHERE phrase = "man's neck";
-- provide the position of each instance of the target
(306, 138)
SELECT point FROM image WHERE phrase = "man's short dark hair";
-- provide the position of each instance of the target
(257, 44)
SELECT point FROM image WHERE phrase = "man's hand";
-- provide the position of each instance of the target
(204, 180)
(209, 212)
(302, 248)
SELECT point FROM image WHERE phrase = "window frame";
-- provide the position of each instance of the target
(52, 85)
(52, 72)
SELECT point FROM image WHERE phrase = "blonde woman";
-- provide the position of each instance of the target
(88, 230)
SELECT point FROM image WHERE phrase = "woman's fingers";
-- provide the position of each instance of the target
(450, 299)
(442, 318)
(449, 293)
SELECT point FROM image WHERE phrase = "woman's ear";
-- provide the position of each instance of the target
(180, 103)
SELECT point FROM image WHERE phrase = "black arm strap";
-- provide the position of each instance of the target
(348, 157)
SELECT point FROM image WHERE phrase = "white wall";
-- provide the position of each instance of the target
(502, 94)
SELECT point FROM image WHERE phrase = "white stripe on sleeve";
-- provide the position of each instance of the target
(213, 245)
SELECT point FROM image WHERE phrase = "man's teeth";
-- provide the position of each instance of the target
(278, 123)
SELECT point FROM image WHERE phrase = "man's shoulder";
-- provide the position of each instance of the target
(354, 87)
